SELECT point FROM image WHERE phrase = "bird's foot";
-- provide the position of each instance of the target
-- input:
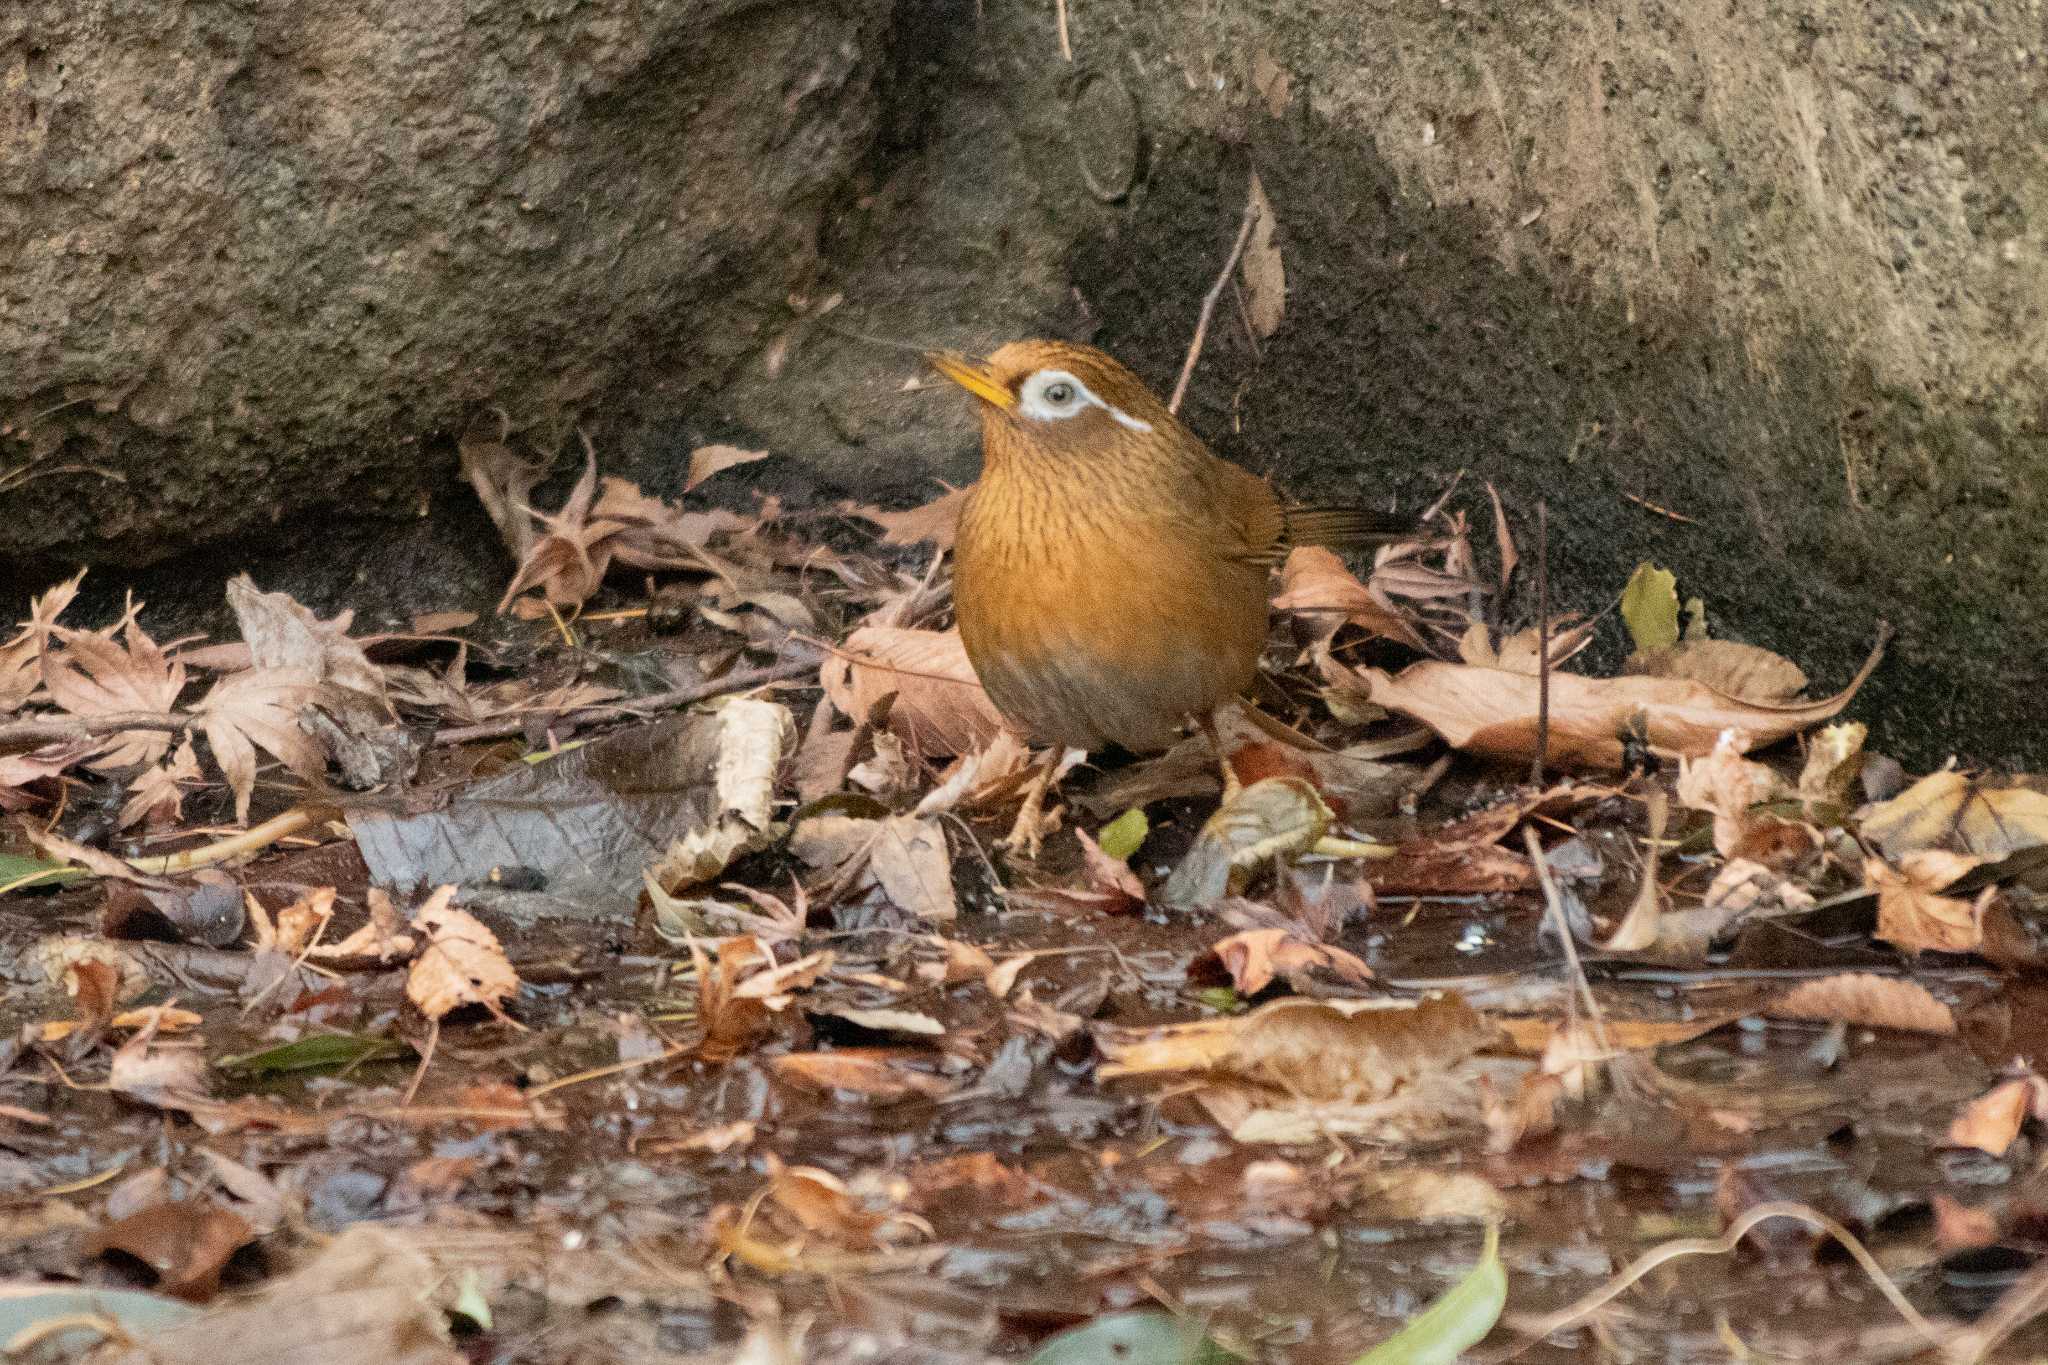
(1034, 822)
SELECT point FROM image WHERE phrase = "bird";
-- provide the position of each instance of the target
(1111, 574)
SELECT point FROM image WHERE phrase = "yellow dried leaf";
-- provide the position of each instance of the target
(461, 963)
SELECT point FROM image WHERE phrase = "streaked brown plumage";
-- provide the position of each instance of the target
(1111, 574)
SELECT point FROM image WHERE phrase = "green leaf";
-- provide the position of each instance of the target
(1123, 836)
(1141, 1338)
(470, 1302)
(1222, 999)
(316, 1052)
(1649, 604)
(1460, 1319)
(18, 873)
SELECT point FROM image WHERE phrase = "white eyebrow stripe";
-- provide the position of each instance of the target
(1033, 405)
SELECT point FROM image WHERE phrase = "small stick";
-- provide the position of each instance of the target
(1542, 642)
(1553, 901)
(38, 731)
(1187, 369)
(658, 701)
(1066, 47)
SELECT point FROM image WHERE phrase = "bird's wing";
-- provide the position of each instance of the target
(1268, 529)
(1256, 522)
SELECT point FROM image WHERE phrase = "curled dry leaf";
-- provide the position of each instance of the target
(753, 736)
(1992, 1120)
(1726, 784)
(461, 962)
(1274, 818)
(1264, 274)
(936, 521)
(157, 797)
(1254, 957)
(1951, 811)
(256, 709)
(1910, 912)
(1494, 711)
(935, 701)
(706, 461)
(1316, 584)
(282, 633)
(1867, 1000)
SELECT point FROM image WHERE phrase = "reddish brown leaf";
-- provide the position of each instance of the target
(936, 703)
(1869, 1000)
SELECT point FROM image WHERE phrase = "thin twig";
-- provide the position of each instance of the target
(1066, 46)
(1553, 899)
(1187, 368)
(658, 701)
(1542, 642)
(1536, 1330)
(38, 731)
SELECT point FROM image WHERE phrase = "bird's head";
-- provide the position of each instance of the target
(1056, 399)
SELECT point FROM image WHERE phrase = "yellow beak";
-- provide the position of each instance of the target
(972, 378)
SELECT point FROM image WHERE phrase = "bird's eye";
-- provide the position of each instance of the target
(1059, 393)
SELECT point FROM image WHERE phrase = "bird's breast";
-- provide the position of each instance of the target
(1092, 623)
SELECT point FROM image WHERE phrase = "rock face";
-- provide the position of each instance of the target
(254, 255)
(1762, 295)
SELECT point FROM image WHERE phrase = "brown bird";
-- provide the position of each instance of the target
(1111, 574)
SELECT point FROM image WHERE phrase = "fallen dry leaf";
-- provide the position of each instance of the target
(461, 962)
(1348, 1051)
(753, 736)
(1493, 711)
(936, 703)
(93, 673)
(1316, 584)
(1951, 811)
(569, 561)
(1253, 957)
(1727, 666)
(1264, 275)
(706, 461)
(282, 633)
(880, 1074)
(1910, 913)
(1868, 1000)
(362, 1297)
(936, 521)
(1726, 785)
(184, 1242)
(1992, 1120)
(259, 708)
(157, 796)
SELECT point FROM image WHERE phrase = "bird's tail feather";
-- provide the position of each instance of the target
(1347, 528)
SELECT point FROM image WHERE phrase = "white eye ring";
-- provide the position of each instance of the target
(1054, 395)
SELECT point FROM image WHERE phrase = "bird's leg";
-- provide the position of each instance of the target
(1231, 786)
(1027, 831)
